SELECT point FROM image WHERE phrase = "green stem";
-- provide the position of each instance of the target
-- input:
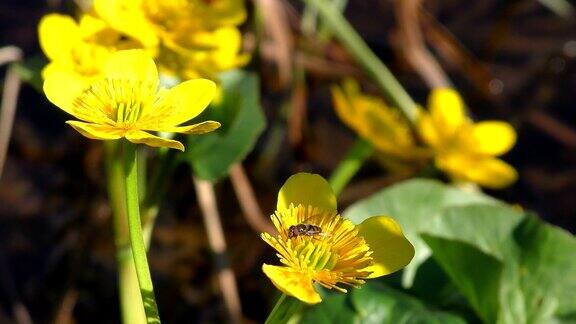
(349, 166)
(135, 232)
(131, 307)
(287, 310)
(346, 34)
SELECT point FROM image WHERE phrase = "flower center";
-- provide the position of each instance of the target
(322, 244)
(120, 101)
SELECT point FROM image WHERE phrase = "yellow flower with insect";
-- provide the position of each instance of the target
(465, 150)
(188, 46)
(316, 245)
(79, 49)
(127, 102)
(381, 125)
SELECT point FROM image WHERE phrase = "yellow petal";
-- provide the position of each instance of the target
(485, 171)
(200, 128)
(342, 107)
(493, 137)
(95, 30)
(127, 16)
(134, 65)
(426, 129)
(292, 283)
(58, 35)
(180, 104)
(447, 110)
(491, 173)
(385, 128)
(141, 137)
(97, 131)
(391, 250)
(343, 100)
(306, 189)
(62, 87)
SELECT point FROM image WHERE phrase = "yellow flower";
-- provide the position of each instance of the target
(189, 46)
(79, 50)
(376, 122)
(465, 150)
(316, 245)
(126, 102)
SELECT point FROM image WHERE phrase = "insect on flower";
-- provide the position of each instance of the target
(346, 254)
(303, 230)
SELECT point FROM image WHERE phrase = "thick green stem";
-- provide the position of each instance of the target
(346, 34)
(349, 166)
(131, 306)
(287, 310)
(135, 233)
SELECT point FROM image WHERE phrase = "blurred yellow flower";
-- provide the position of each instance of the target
(202, 54)
(126, 101)
(465, 150)
(316, 245)
(79, 50)
(377, 123)
(194, 38)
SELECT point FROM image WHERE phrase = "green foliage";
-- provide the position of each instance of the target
(30, 71)
(417, 205)
(509, 266)
(375, 303)
(242, 119)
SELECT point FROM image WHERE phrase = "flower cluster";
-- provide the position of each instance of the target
(316, 245)
(187, 38)
(464, 150)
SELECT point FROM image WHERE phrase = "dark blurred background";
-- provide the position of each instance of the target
(511, 60)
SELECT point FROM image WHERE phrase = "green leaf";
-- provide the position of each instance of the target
(547, 268)
(463, 262)
(510, 267)
(335, 308)
(240, 113)
(375, 303)
(416, 205)
(498, 254)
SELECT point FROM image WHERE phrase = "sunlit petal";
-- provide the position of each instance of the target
(96, 131)
(447, 110)
(308, 190)
(292, 283)
(200, 128)
(491, 173)
(391, 250)
(132, 65)
(141, 137)
(180, 104)
(485, 171)
(58, 35)
(427, 129)
(128, 17)
(493, 137)
(62, 87)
